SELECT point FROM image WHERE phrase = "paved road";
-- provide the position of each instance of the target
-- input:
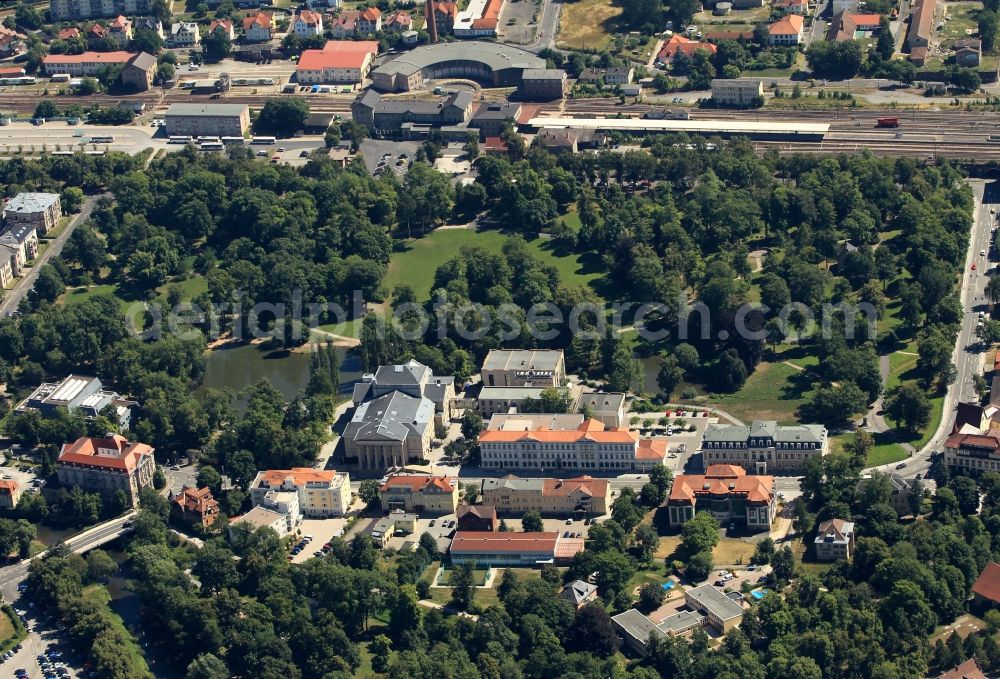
(548, 27)
(12, 576)
(967, 355)
(14, 296)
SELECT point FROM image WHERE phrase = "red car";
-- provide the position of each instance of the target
(973, 266)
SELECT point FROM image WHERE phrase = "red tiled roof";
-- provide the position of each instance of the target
(11, 72)
(225, 24)
(310, 17)
(69, 33)
(9, 486)
(587, 485)
(972, 440)
(486, 542)
(678, 43)
(479, 511)
(988, 583)
(651, 449)
(196, 500)
(314, 60)
(299, 476)
(787, 25)
(724, 480)
(836, 527)
(261, 19)
(490, 17)
(371, 14)
(420, 483)
(589, 430)
(97, 30)
(118, 57)
(120, 23)
(967, 670)
(446, 8)
(399, 19)
(84, 451)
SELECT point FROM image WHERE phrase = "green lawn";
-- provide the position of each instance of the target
(775, 391)
(11, 629)
(189, 287)
(100, 594)
(418, 259)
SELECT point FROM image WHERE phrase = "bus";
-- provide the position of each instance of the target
(208, 138)
(179, 140)
(60, 77)
(62, 153)
(212, 146)
(232, 140)
(102, 139)
(20, 80)
(993, 138)
(264, 140)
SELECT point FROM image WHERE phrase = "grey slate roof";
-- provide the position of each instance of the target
(369, 99)
(143, 60)
(727, 433)
(391, 417)
(543, 74)
(492, 110)
(30, 203)
(600, 402)
(511, 482)
(410, 373)
(206, 110)
(495, 56)
(578, 591)
(802, 433)
(19, 232)
(763, 428)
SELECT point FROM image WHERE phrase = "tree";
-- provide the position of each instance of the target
(647, 540)
(651, 596)
(763, 552)
(217, 46)
(838, 60)
(651, 495)
(840, 403)
(471, 146)
(702, 70)
(670, 375)
(909, 407)
(989, 22)
(145, 40)
(700, 534)
(463, 586)
(472, 424)
(368, 491)
(967, 494)
(471, 493)
(283, 117)
(100, 565)
(731, 370)
(592, 631)
(531, 522)
(208, 476)
(207, 666)
(46, 108)
(886, 44)
(965, 80)
(699, 566)
(783, 563)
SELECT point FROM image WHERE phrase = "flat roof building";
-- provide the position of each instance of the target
(261, 517)
(740, 92)
(606, 407)
(524, 368)
(322, 492)
(720, 611)
(209, 120)
(77, 392)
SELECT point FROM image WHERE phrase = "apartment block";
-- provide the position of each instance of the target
(216, 120)
(321, 493)
(40, 210)
(420, 493)
(107, 465)
(561, 497)
(764, 446)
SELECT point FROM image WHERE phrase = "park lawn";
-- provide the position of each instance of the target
(774, 391)
(588, 24)
(350, 328)
(100, 595)
(643, 577)
(418, 259)
(190, 288)
(796, 354)
(900, 365)
(76, 295)
(572, 219)
(731, 551)
(885, 451)
(7, 631)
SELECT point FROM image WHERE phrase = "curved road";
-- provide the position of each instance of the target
(24, 284)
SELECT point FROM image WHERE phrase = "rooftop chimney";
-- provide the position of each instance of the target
(432, 30)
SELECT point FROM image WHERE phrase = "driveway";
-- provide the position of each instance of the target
(14, 296)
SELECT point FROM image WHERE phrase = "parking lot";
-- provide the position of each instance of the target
(322, 531)
(41, 654)
(382, 155)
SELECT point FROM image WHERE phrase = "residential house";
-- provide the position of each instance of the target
(968, 52)
(76, 393)
(369, 21)
(340, 61)
(322, 493)
(10, 493)
(258, 27)
(605, 407)
(9, 268)
(800, 7)
(390, 431)
(121, 31)
(445, 14)
(513, 549)
(148, 23)
(678, 44)
(96, 35)
(11, 43)
(419, 493)
(728, 493)
(618, 75)
(524, 368)
(764, 445)
(899, 497)
(787, 31)
(740, 92)
(41, 211)
(848, 26)
(478, 19)
(345, 25)
(399, 21)
(195, 506)
(261, 517)
(477, 518)
(307, 24)
(986, 589)
(184, 34)
(834, 540)
(579, 593)
(412, 378)
(967, 670)
(69, 33)
(24, 238)
(139, 72)
(107, 465)
(565, 442)
(921, 26)
(973, 454)
(224, 26)
(560, 497)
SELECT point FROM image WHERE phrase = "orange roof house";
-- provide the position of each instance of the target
(195, 505)
(679, 44)
(69, 33)
(749, 498)
(786, 31)
(107, 465)
(986, 589)
(115, 453)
